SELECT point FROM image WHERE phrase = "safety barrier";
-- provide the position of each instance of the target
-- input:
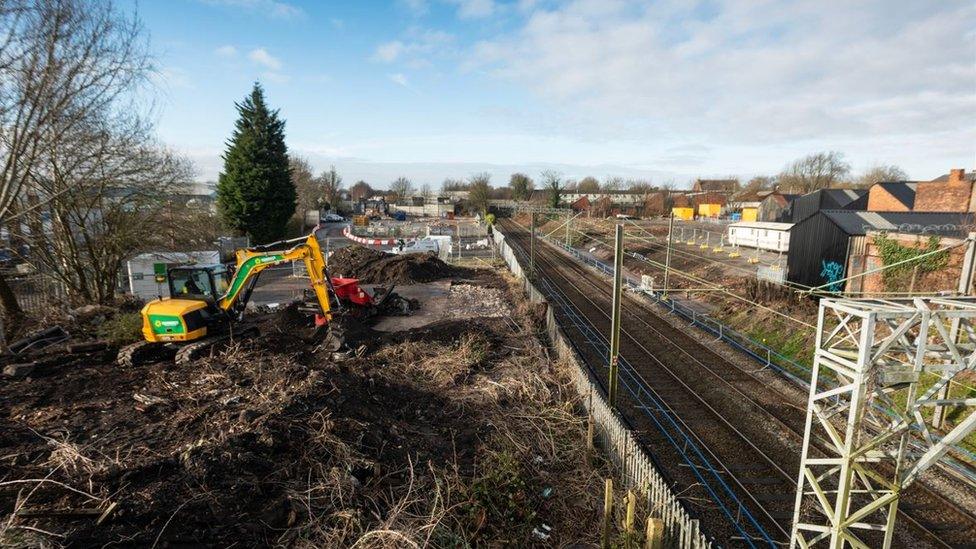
(636, 467)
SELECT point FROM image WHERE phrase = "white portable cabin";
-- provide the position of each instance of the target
(764, 235)
(143, 268)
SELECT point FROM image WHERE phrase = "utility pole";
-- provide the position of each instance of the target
(569, 219)
(532, 246)
(667, 255)
(618, 267)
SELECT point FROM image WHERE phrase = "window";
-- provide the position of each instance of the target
(190, 282)
(221, 282)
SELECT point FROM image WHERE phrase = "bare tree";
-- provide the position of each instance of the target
(479, 192)
(879, 174)
(331, 183)
(307, 189)
(613, 183)
(588, 184)
(816, 171)
(521, 186)
(360, 190)
(401, 188)
(110, 192)
(427, 193)
(62, 63)
(451, 184)
(758, 184)
(552, 182)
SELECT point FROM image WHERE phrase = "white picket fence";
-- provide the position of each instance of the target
(636, 469)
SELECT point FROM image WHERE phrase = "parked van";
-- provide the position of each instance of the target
(437, 245)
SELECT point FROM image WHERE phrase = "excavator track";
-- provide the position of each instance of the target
(198, 349)
(143, 352)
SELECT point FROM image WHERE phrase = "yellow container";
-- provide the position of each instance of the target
(750, 214)
(683, 213)
(709, 210)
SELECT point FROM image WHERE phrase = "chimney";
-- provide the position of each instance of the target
(957, 175)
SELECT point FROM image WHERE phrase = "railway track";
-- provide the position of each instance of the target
(747, 432)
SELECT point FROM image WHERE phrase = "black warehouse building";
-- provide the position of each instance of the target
(828, 199)
(820, 244)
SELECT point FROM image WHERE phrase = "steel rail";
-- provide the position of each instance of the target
(731, 429)
(583, 269)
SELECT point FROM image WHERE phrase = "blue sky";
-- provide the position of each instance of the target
(667, 90)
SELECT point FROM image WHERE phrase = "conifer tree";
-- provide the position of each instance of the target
(255, 193)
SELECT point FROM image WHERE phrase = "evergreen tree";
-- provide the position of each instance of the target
(255, 193)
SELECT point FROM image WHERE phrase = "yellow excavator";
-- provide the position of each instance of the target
(207, 303)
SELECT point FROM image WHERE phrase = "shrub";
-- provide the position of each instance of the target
(121, 329)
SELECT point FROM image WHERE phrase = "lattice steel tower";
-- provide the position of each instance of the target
(879, 373)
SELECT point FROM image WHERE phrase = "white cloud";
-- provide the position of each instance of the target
(272, 8)
(388, 52)
(265, 59)
(226, 51)
(399, 79)
(417, 46)
(474, 9)
(751, 72)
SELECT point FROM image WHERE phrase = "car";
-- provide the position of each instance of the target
(333, 218)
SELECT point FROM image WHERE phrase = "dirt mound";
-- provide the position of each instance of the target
(375, 267)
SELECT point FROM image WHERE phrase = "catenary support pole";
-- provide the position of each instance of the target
(667, 255)
(618, 267)
(532, 247)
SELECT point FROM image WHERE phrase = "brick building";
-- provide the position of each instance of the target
(892, 196)
(724, 186)
(952, 193)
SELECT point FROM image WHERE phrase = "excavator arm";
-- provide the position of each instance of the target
(251, 261)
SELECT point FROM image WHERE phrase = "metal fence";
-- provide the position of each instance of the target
(37, 293)
(636, 467)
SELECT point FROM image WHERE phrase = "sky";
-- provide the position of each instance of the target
(664, 90)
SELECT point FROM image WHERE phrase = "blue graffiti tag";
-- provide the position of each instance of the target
(832, 272)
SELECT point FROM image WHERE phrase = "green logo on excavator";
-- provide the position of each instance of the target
(166, 324)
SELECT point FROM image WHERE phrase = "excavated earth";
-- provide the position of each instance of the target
(452, 434)
(375, 267)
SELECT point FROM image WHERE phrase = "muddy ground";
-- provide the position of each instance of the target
(456, 434)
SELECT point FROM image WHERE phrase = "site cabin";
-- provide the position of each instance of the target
(774, 237)
(750, 214)
(683, 213)
(146, 272)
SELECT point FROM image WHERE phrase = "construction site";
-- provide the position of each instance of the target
(487, 273)
(424, 402)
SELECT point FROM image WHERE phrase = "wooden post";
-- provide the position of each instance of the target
(589, 434)
(629, 520)
(607, 513)
(654, 536)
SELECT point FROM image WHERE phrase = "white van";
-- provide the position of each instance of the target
(437, 245)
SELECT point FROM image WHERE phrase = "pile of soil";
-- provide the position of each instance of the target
(376, 267)
(275, 443)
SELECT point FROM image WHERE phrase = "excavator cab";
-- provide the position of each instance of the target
(209, 282)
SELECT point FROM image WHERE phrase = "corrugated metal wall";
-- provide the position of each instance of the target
(815, 243)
